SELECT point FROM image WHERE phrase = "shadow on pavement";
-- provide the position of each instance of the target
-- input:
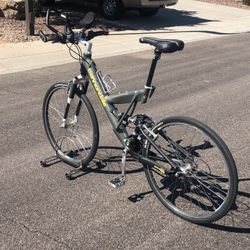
(164, 19)
(108, 161)
(131, 20)
(238, 219)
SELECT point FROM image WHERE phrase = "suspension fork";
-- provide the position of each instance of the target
(81, 91)
(83, 88)
(73, 89)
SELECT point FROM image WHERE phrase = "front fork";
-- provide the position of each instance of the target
(79, 87)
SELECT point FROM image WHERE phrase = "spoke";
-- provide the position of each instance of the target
(83, 147)
(212, 177)
(195, 193)
(204, 192)
(83, 127)
(207, 187)
(55, 119)
(59, 113)
(79, 135)
(212, 186)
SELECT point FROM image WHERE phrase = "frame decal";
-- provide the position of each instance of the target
(98, 91)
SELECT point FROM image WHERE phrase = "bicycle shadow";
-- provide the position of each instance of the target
(106, 161)
(236, 221)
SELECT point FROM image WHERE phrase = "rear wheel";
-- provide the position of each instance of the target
(75, 140)
(202, 185)
(112, 9)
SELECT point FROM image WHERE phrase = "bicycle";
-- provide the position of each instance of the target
(188, 166)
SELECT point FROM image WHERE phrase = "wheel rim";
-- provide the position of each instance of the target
(110, 7)
(197, 189)
(74, 138)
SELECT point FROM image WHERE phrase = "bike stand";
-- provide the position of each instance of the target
(49, 161)
(120, 181)
(69, 175)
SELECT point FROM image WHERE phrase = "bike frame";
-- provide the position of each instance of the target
(88, 67)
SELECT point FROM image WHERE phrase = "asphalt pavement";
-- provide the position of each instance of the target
(40, 209)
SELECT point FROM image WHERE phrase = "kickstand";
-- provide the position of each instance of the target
(120, 181)
(49, 161)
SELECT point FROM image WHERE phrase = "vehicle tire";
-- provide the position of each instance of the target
(148, 12)
(76, 142)
(202, 185)
(112, 9)
(46, 2)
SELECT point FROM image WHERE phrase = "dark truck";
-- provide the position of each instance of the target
(113, 9)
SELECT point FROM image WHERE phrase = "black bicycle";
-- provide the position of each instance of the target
(188, 166)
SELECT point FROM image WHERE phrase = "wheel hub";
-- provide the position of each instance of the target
(110, 6)
(186, 168)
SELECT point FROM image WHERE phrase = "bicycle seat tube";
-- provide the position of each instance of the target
(148, 88)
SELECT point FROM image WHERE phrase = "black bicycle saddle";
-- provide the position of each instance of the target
(87, 21)
(164, 45)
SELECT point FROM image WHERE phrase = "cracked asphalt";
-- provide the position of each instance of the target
(41, 209)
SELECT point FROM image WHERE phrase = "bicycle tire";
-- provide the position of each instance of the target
(74, 135)
(179, 189)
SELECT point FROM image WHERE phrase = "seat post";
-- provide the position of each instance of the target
(148, 88)
(157, 56)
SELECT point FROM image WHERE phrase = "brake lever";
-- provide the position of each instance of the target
(104, 29)
(59, 38)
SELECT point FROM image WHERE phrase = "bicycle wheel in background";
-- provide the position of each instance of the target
(203, 186)
(76, 141)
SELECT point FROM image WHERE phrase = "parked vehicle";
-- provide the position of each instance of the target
(113, 9)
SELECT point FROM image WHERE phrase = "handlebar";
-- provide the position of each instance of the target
(68, 35)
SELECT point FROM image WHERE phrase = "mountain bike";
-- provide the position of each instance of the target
(188, 166)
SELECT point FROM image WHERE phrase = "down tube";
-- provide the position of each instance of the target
(109, 108)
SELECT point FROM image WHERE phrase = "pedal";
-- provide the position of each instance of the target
(117, 182)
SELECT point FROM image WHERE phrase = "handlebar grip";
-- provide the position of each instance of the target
(91, 34)
(42, 36)
(54, 38)
(104, 29)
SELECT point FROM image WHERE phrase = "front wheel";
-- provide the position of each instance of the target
(75, 139)
(201, 184)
